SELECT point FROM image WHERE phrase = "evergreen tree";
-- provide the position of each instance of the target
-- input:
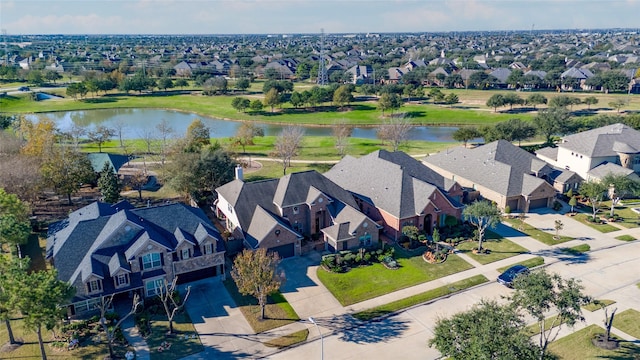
(109, 185)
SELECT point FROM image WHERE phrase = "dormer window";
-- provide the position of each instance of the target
(185, 254)
(122, 280)
(151, 261)
(94, 286)
(207, 249)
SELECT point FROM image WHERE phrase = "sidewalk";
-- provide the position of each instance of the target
(130, 333)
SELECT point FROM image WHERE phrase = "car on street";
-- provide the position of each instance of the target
(24, 88)
(508, 277)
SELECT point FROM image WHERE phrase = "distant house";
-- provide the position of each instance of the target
(580, 76)
(501, 75)
(361, 74)
(500, 172)
(594, 153)
(397, 190)
(116, 161)
(184, 69)
(277, 214)
(104, 249)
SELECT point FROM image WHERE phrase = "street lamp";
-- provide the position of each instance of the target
(321, 338)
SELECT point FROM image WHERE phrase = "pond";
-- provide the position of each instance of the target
(139, 123)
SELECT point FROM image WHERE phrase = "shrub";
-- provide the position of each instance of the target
(556, 205)
(367, 257)
(507, 209)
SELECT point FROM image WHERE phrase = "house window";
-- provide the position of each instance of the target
(296, 209)
(185, 254)
(94, 286)
(230, 208)
(207, 249)
(86, 305)
(151, 261)
(365, 240)
(154, 287)
(122, 280)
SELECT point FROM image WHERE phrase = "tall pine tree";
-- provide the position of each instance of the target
(109, 185)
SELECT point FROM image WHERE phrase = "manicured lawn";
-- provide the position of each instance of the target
(500, 248)
(631, 219)
(367, 282)
(603, 228)
(542, 236)
(534, 329)
(629, 322)
(420, 298)
(576, 250)
(597, 305)
(530, 263)
(183, 343)
(288, 340)
(626, 238)
(578, 346)
(30, 350)
(278, 312)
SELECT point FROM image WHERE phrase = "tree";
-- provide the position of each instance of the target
(482, 214)
(540, 293)
(590, 100)
(395, 130)
(514, 130)
(512, 99)
(464, 134)
(558, 225)
(618, 104)
(118, 130)
(487, 331)
(171, 300)
(66, 170)
(573, 202)
(165, 83)
(389, 102)
(495, 101)
(536, 99)
(287, 145)
(245, 135)
(254, 272)
(552, 121)
(110, 331)
(516, 78)
(594, 191)
(165, 130)
(109, 184)
(451, 99)
(41, 295)
(138, 180)
(240, 104)
(52, 75)
(619, 186)
(411, 232)
(563, 101)
(181, 83)
(341, 132)
(296, 99)
(15, 226)
(11, 271)
(100, 135)
(242, 84)
(256, 105)
(40, 136)
(272, 98)
(197, 136)
(342, 96)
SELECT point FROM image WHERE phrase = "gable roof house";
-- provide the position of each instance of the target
(500, 172)
(277, 214)
(104, 249)
(397, 190)
(361, 74)
(594, 153)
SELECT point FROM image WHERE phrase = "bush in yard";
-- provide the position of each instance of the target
(507, 209)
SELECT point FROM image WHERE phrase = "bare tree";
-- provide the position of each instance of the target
(110, 331)
(75, 133)
(148, 137)
(395, 130)
(19, 175)
(169, 302)
(165, 132)
(118, 130)
(342, 132)
(287, 145)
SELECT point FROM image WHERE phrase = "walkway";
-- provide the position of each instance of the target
(130, 333)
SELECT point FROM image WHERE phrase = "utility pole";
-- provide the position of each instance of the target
(322, 69)
(6, 54)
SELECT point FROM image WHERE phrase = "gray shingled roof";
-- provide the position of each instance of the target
(607, 168)
(394, 182)
(548, 152)
(600, 142)
(499, 166)
(298, 188)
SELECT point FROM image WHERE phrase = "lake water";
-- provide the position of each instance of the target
(139, 122)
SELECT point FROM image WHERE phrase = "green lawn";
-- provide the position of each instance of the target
(576, 250)
(367, 282)
(530, 263)
(420, 298)
(578, 346)
(288, 340)
(597, 304)
(500, 248)
(179, 345)
(626, 238)
(603, 228)
(534, 329)
(631, 219)
(542, 236)
(629, 322)
(278, 312)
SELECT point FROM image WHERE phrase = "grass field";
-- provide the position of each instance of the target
(629, 322)
(597, 304)
(542, 236)
(499, 249)
(576, 250)
(530, 263)
(626, 238)
(180, 346)
(578, 346)
(288, 340)
(367, 282)
(603, 228)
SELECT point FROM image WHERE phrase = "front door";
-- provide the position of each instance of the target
(427, 224)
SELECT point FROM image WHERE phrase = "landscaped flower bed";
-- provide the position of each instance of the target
(345, 260)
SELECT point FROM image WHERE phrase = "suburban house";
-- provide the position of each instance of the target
(397, 190)
(361, 74)
(500, 172)
(595, 153)
(103, 249)
(278, 214)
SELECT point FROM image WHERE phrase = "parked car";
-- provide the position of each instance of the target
(24, 88)
(508, 277)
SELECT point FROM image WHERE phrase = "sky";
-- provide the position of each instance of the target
(309, 16)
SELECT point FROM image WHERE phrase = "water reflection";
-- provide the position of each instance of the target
(136, 122)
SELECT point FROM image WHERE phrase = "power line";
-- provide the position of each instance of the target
(322, 69)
